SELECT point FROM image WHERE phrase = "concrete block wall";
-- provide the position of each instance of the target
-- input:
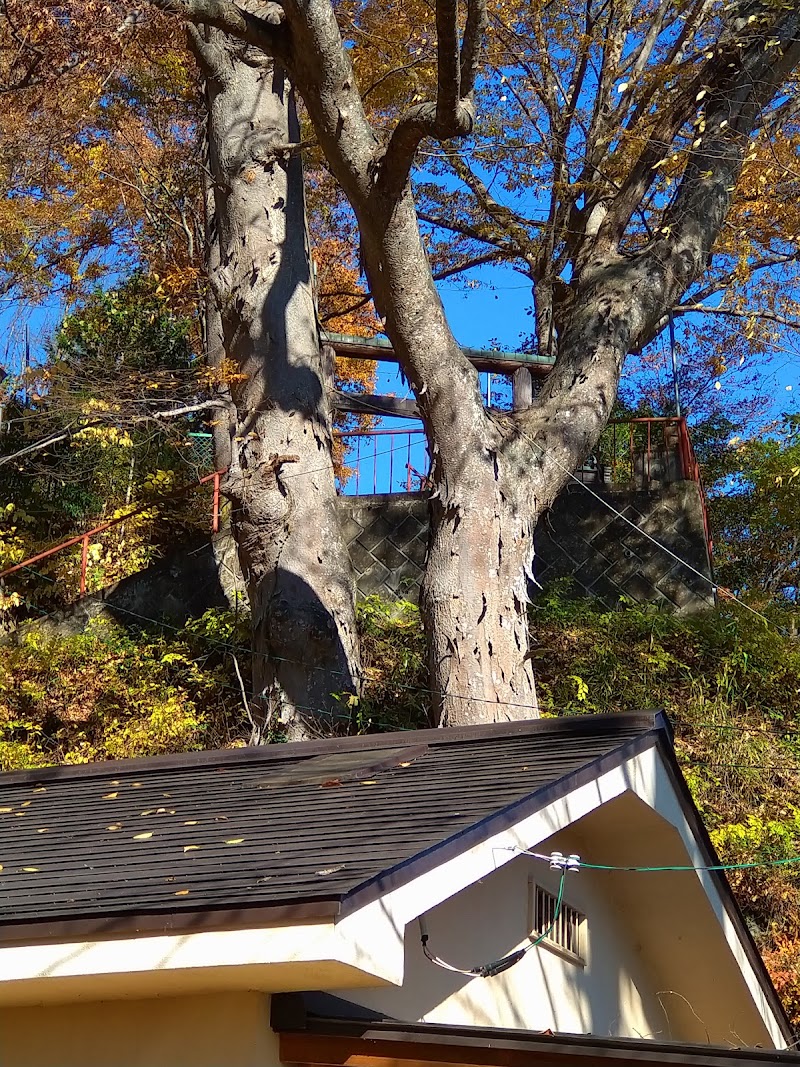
(579, 538)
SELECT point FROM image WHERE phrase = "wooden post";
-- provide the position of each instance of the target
(522, 389)
(328, 356)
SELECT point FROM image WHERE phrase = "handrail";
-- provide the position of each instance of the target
(84, 538)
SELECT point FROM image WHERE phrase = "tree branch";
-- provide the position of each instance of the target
(263, 31)
(766, 316)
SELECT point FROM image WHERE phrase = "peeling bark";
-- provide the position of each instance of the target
(278, 440)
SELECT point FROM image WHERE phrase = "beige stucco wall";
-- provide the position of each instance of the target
(220, 1030)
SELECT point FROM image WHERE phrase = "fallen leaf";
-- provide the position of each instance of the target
(148, 812)
(31, 870)
(41, 789)
(373, 782)
(110, 796)
(136, 785)
(181, 892)
(26, 803)
(191, 822)
(143, 837)
(234, 841)
(6, 809)
(43, 830)
(1, 866)
(330, 870)
(190, 848)
(330, 783)
(114, 826)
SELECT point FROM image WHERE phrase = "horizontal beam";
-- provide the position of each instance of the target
(365, 403)
(380, 348)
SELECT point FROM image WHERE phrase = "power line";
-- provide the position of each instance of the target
(573, 862)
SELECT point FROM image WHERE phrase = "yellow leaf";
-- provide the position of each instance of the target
(181, 892)
(191, 822)
(31, 870)
(190, 848)
(6, 809)
(234, 841)
(110, 796)
(143, 837)
(114, 826)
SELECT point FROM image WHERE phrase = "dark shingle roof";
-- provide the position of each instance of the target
(305, 824)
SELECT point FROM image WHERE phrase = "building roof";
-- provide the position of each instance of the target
(308, 829)
(320, 1028)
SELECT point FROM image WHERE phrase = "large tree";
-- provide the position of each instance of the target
(649, 89)
(275, 436)
(112, 177)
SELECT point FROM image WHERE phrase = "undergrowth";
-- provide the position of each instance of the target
(730, 685)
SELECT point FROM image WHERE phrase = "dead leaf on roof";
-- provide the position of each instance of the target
(114, 826)
(26, 803)
(191, 822)
(330, 870)
(148, 812)
(234, 841)
(330, 783)
(110, 796)
(1, 866)
(407, 764)
(373, 782)
(136, 785)
(18, 813)
(190, 848)
(4, 810)
(41, 789)
(181, 892)
(143, 837)
(42, 829)
(115, 782)
(31, 870)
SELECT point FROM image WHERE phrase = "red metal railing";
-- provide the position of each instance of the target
(384, 461)
(85, 539)
(644, 452)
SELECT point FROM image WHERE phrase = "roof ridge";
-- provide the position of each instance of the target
(298, 750)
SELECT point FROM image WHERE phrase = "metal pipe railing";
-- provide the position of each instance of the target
(84, 539)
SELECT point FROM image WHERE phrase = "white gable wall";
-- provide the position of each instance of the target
(609, 996)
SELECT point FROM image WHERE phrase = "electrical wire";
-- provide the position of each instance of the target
(489, 970)
(576, 863)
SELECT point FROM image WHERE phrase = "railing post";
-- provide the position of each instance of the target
(84, 562)
(215, 504)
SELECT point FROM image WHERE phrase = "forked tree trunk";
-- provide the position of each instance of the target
(278, 440)
(483, 506)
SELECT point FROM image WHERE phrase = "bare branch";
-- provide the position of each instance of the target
(471, 46)
(178, 413)
(766, 316)
(47, 442)
(448, 89)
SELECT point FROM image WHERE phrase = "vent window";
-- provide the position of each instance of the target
(568, 933)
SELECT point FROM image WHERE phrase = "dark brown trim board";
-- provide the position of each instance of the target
(340, 1041)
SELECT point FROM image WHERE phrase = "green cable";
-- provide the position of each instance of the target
(716, 867)
(556, 913)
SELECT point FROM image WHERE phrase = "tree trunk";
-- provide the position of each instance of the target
(279, 441)
(474, 593)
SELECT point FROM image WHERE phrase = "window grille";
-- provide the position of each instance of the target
(568, 926)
